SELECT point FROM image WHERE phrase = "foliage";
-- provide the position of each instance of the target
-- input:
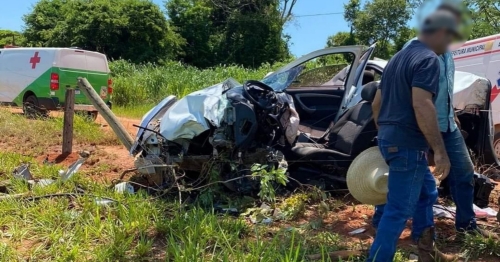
(8, 37)
(149, 83)
(135, 30)
(294, 206)
(268, 177)
(378, 21)
(247, 33)
(381, 21)
(485, 17)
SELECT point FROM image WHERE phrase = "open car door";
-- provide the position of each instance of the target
(319, 91)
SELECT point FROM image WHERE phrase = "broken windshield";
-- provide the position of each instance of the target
(280, 81)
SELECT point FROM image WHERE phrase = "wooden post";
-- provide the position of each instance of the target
(69, 112)
(105, 112)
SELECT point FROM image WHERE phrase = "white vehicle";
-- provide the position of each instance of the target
(37, 78)
(482, 58)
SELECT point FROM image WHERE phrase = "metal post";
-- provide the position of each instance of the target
(69, 112)
(105, 112)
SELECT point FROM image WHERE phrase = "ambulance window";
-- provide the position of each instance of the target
(97, 62)
(73, 60)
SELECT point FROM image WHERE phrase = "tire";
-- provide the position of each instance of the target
(92, 115)
(496, 145)
(31, 107)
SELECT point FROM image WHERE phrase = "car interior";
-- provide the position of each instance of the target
(317, 132)
(350, 135)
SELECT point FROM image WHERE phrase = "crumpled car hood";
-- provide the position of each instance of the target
(188, 117)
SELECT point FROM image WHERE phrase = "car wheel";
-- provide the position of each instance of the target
(31, 107)
(90, 116)
(496, 145)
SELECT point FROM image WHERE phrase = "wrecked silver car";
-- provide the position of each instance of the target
(317, 119)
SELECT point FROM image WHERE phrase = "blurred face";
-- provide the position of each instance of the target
(442, 40)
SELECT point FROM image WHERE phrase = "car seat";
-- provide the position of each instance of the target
(354, 132)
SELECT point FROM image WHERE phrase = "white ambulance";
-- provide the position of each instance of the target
(482, 57)
(37, 78)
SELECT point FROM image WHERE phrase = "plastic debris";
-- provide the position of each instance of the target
(357, 231)
(23, 172)
(124, 187)
(103, 201)
(43, 182)
(449, 212)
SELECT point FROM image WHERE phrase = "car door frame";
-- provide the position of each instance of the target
(356, 50)
(359, 79)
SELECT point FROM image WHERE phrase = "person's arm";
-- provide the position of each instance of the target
(425, 84)
(377, 101)
(425, 112)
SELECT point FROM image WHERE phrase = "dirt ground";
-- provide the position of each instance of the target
(107, 162)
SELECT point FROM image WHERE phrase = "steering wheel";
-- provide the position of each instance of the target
(260, 94)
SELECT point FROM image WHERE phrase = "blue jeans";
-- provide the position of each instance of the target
(461, 183)
(412, 193)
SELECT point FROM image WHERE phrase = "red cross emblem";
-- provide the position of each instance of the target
(34, 60)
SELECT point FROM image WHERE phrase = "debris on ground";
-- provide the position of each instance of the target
(84, 155)
(357, 231)
(449, 212)
(23, 172)
(124, 187)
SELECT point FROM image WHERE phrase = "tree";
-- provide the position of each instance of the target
(381, 21)
(135, 30)
(286, 8)
(8, 37)
(340, 39)
(352, 9)
(485, 16)
(405, 35)
(247, 32)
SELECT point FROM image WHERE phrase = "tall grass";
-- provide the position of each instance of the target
(137, 85)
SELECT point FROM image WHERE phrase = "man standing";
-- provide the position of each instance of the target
(407, 127)
(461, 177)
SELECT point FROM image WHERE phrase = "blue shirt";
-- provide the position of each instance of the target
(414, 66)
(444, 99)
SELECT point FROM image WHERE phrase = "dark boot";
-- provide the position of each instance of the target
(427, 251)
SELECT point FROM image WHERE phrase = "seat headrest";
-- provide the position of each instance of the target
(368, 91)
(368, 76)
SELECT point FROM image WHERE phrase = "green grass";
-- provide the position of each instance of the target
(141, 227)
(133, 112)
(36, 135)
(138, 87)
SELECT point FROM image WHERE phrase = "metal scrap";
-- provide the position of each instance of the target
(72, 169)
(23, 172)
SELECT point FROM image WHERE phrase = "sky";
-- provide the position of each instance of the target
(315, 21)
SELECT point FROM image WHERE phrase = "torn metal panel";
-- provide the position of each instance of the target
(72, 169)
(23, 172)
(188, 117)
